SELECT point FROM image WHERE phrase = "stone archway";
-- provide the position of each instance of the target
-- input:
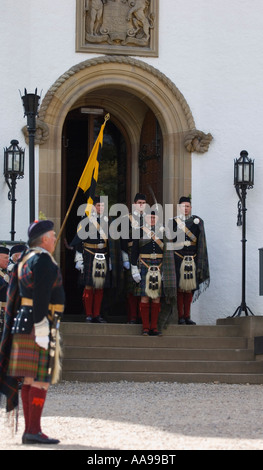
(126, 87)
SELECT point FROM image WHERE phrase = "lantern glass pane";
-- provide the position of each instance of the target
(9, 162)
(16, 167)
(243, 173)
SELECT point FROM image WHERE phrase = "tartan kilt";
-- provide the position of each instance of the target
(139, 289)
(88, 259)
(2, 316)
(27, 359)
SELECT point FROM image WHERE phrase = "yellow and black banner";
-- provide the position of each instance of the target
(89, 177)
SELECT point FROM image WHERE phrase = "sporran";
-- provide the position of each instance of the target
(188, 274)
(153, 282)
(99, 270)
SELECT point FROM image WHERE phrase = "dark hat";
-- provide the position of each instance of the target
(96, 200)
(184, 199)
(38, 228)
(140, 196)
(4, 249)
(17, 249)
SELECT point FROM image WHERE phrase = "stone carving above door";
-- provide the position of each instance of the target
(117, 27)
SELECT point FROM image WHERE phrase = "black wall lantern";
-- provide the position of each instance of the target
(13, 170)
(31, 103)
(243, 180)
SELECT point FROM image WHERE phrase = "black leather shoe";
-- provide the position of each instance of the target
(38, 438)
(98, 320)
(145, 332)
(189, 322)
(181, 321)
(155, 333)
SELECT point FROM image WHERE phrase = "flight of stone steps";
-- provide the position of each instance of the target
(110, 352)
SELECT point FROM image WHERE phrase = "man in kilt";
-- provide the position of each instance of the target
(92, 258)
(146, 259)
(35, 305)
(4, 280)
(135, 224)
(14, 255)
(190, 258)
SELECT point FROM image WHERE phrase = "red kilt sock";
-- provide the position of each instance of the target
(145, 313)
(25, 402)
(98, 295)
(155, 309)
(188, 297)
(87, 299)
(37, 397)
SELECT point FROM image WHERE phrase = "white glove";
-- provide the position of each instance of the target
(79, 266)
(135, 273)
(79, 261)
(42, 341)
(42, 333)
(125, 260)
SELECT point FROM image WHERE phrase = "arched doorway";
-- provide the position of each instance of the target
(80, 130)
(130, 90)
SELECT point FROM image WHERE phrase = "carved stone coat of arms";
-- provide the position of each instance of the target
(118, 26)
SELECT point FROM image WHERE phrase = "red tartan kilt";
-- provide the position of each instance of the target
(27, 359)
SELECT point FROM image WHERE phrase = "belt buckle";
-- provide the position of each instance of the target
(100, 246)
(153, 256)
(99, 256)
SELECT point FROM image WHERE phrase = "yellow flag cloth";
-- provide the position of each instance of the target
(92, 165)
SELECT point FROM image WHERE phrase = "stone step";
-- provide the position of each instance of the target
(98, 376)
(98, 329)
(176, 366)
(150, 353)
(129, 341)
(185, 353)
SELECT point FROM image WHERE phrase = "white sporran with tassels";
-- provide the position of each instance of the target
(99, 270)
(188, 274)
(153, 282)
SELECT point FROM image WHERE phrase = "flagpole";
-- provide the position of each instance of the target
(66, 216)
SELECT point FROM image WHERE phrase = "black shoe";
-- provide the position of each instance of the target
(98, 320)
(189, 322)
(155, 333)
(38, 438)
(181, 321)
(145, 332)
(88, 319)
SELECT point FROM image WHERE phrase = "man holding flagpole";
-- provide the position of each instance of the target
(92, 259)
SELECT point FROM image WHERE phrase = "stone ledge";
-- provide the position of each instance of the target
(250, 326)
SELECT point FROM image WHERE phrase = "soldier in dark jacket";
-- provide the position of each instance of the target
(146, 259)
(190, 257)
(41, 301)
(4, 280)
(136, 220)
(92, 259)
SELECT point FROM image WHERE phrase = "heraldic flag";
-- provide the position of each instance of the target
(89, 177)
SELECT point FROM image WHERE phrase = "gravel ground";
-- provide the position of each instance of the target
(147, 416)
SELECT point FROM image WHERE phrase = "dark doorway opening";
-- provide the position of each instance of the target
(79, 134)
(151, 159)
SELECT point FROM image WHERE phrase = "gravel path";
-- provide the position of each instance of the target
(147, 416)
